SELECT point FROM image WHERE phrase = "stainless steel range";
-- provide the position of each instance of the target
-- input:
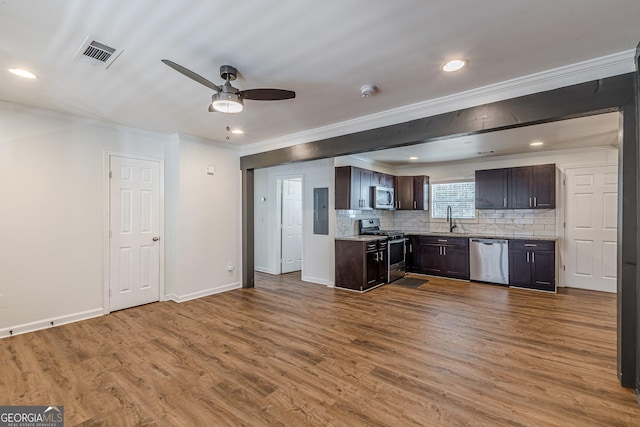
(397, 267)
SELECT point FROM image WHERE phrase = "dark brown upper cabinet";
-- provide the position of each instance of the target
(383, 180)
(412, 193)
(353, 188)
(532, 187)
(492, 189)
(526, 187)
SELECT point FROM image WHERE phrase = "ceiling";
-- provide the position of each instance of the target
(594, 131)
(325, 51)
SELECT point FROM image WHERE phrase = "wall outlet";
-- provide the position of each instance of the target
(230, 267)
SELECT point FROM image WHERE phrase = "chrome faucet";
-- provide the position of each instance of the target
(452, 226)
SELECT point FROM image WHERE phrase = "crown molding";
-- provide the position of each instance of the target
(593, 69)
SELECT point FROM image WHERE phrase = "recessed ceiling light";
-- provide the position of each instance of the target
(454, 65)
(22, 73)
(413, 158)
(237, 131)
(536, 143)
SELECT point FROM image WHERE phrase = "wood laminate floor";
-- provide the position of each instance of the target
(448, 353)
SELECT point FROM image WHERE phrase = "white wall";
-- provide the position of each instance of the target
(207, 224)
(264, 205)
(52, 215)
(51, 219)
(317, 250)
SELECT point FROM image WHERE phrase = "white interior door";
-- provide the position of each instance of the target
(591, 219)
(134, 247)
(291, 225)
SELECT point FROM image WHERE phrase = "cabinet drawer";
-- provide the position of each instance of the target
(532, 245)
(444, 240)
(372, 246)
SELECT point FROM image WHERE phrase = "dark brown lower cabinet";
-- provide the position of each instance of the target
(532, 264)
(412, 254)
(444, 256)
(361, 265)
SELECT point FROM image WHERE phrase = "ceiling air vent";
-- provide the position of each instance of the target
(96, 53)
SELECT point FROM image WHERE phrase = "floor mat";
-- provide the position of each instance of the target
(409, 282)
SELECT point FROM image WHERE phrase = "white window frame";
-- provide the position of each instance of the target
(455, 212)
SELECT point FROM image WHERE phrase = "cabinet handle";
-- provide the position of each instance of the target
(504, 202)
(444, 250)
(410, 248)
(382, 256)
(377, 258)
(533, 257)
(399, 204)
(530, 245)
(415, 204)
(528, 256)
(440, 250)
(530, 204)
(535, 202)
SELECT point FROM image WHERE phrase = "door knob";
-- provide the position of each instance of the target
(155, 238)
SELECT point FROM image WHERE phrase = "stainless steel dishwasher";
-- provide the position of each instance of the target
(489, 260)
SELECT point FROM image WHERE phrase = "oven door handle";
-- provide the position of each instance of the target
(389, 242)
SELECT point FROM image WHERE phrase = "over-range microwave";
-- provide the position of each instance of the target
(383, 198)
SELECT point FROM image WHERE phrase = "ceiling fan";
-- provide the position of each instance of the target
(227, 98)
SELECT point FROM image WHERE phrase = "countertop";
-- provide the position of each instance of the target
(480, 236)
(362, 238)
(365, 238)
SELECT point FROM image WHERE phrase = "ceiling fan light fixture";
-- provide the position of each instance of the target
(227, 102)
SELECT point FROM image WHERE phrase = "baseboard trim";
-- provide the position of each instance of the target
(317, 280)
(611, 290)
(265, 270)
(50, 323)
(200, 294)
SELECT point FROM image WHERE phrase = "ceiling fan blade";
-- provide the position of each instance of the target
(267, 94)
(192, 75)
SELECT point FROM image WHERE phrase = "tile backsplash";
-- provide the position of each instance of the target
(347, 221)
(500, 222)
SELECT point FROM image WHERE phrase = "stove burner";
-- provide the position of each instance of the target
(372, 227)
